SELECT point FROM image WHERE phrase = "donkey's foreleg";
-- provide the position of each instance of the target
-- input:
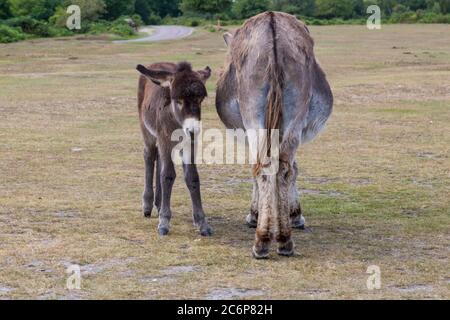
(167, 179)
(158, 183)
(266, 208)
(297, 220)
(192, 180)
(147, 197)
(285, 177)
(252, 217)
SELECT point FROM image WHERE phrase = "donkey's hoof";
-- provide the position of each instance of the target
(163, 231)
(298, 226)
(260, 253)
(285, 253)
(298, 223)
(286, 249)
(206, 231)
(148, 214)
(251, 222)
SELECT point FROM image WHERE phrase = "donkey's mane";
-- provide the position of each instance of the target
(184, 66)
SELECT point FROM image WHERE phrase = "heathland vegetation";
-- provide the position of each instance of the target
(24, 19)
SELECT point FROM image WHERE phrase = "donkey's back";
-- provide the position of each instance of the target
(279, 77)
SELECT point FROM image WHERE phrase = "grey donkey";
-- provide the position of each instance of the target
(272, 81)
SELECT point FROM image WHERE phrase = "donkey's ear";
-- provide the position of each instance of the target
(160, 77)
(228, 37)
(205, 74)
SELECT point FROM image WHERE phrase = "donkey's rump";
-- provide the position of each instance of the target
(273, 80)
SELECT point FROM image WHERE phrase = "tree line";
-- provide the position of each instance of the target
(28, 18)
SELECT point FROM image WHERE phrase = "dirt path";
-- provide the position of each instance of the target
(160, 33)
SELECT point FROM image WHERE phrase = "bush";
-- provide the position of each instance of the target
(8, 34)
(404, 17)
(31, 26)
(26, 24)
(185, 21)
(210, 28)
(98, 27)
(431, 17)
(121, 28)
(153, 19)
(138, 20)
(36, 28)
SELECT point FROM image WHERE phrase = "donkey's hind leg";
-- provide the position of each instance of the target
(150, 154)
(264, 230)
(285, 179)
(252, 217)
(297, 219)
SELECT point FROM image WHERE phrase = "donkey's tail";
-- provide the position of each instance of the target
(274, 102)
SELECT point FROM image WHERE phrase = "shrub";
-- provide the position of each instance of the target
(8, 34)
(194, 23)
(26, 24)
(153, 19)
(121, 28)
(431, 17)
(190, 21)
(137, 19)
(31, 26)
(98, 27)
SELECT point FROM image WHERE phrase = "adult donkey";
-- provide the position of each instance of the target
(272, 81)
(169, 98)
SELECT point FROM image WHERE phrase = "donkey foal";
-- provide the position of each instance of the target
(169, 98)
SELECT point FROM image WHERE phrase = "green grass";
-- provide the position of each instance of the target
(375, 183)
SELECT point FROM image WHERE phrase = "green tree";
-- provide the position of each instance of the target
(400, 8)
(334, 8)
(243, 9)
(387, 6)
(117, 8)
(142, 8)
(4, 9)
(300, 7)
(445, 6)
(152, 11)
(164, 8)
(359, 9)
(205, 6)
(414, 4)
(436, 8)
(37, 9)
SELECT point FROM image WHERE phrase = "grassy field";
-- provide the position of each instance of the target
(375, 185)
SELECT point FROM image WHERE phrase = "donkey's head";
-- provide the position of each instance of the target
(187, 92)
